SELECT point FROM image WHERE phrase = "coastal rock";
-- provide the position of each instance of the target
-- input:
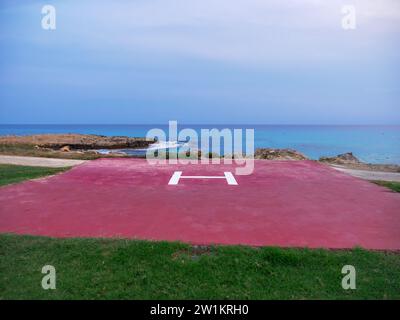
(278, 154)
(77, 141)
(65, 149)
(345, 158)
(348, 160)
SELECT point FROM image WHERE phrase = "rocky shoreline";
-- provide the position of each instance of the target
(70, 141)
(348, 160)
(278, 154)
(69, 146)
(85, 146)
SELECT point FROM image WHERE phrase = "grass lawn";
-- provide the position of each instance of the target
(130, 269)
(393, 185)
(12, 173)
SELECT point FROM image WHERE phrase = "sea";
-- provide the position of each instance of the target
(372, 144)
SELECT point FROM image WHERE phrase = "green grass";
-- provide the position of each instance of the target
(129, 269)
(12, 174)
(393, 185)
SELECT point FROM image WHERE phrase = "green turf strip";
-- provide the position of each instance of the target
(13, 174)
(393, 185)
(129, 269)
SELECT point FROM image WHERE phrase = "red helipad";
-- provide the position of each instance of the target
(283, 203)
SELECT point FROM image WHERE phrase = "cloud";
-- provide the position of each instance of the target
(253, 32)
(282, 57)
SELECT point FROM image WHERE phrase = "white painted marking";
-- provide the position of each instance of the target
(175, 177)
(203, 177)
(230, 179)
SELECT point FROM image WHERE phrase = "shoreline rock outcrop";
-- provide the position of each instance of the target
(73, 141)
(278, 154)
(344, 158)
(349, 161)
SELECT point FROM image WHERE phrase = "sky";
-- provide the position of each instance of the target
(200, 61)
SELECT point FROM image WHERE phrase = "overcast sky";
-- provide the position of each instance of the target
(200, 61)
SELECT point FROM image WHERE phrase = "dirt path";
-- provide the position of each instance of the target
(370, 175)
(39, 162)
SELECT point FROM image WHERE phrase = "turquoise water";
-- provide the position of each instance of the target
(374, 144)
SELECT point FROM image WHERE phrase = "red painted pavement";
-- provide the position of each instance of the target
(283, 203)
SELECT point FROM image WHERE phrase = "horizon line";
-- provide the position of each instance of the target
(196, 124)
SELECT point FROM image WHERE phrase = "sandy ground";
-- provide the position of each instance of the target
(370, 175)
(39, 162)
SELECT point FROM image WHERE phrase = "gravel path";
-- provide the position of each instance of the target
(39, 162)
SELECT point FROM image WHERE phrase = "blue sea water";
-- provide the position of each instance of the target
(374, 144)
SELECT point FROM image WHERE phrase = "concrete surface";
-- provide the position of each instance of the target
(283, 203)
(39, 162)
